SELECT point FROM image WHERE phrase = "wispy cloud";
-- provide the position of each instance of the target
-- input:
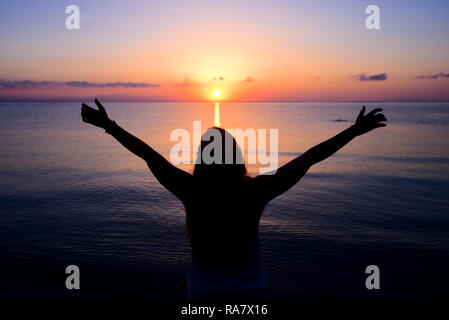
(249, 79)
(374, 77)
(182, 85)
(433, 76)
(187, 83)
(86, 84)
(28, 84)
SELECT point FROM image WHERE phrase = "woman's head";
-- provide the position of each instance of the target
(219, 156)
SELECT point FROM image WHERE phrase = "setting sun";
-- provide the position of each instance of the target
(217, 93)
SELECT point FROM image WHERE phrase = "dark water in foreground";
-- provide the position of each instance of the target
(69, 194)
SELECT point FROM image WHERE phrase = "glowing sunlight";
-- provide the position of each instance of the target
(217, 93)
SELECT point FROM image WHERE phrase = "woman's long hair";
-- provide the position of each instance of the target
(218, 176)
(223, 166)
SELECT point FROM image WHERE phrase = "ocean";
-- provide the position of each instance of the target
(70, 194)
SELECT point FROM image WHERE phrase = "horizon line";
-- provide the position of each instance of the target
(113, 100)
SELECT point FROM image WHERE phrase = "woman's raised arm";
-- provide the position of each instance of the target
(271, 186)
(177, 181)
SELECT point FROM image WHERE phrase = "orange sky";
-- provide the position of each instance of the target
(283, 51)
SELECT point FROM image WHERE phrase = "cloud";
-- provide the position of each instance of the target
(181, 85)
(374, 77)
(187, 83)
(433, 76)
(249, 79)
(28, 84)
(86, 84)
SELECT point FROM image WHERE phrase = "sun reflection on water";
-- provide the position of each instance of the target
(217, 114)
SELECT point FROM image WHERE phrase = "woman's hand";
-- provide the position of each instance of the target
(98, 118)
(370, 121)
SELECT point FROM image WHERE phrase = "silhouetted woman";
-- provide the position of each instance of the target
(224, 205)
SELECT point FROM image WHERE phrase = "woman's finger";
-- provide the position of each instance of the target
(85, 107)
(361, 113)
(372, 112)
(380, 117)
(99, 105)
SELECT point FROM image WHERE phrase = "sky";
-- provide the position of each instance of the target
(249, 50)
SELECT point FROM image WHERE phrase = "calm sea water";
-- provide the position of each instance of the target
(70, 194)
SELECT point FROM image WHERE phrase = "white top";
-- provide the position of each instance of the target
(247, 276)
